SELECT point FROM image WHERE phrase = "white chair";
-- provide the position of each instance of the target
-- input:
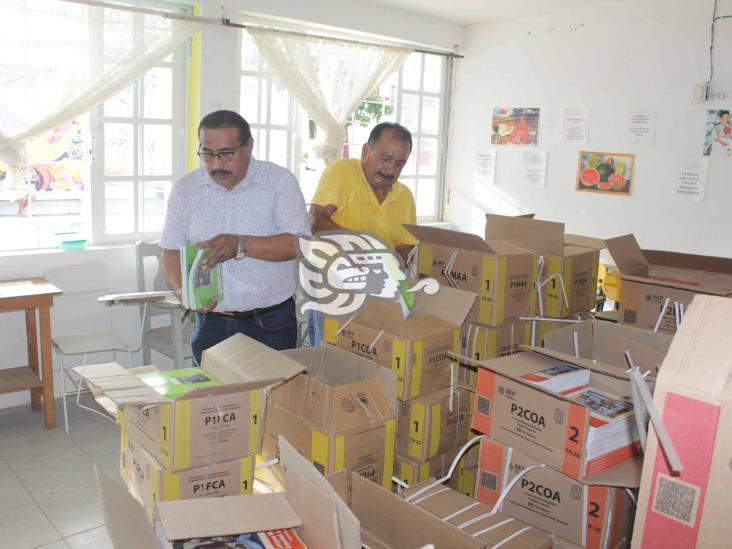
(78, 314)
(173, 339)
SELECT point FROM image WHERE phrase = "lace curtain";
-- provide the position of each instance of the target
(58, 60)
(329, 78)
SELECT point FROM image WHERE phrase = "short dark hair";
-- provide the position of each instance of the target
(227, 119)
(722, 113)
(400, 132)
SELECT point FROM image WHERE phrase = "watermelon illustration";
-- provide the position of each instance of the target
(589, 177)
(618, 182)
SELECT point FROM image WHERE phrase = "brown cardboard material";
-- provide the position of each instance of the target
(503, 275)
(693, 396)
(149, 482)
(475, 518)
(340, 414)
(427, 426)
(184, 433)
(591, 516)
(544, 425)
(484, 342)
(607, 342)
(321, 519)
(415, 348)
(649, 277)
(411, 471)
(570, 262)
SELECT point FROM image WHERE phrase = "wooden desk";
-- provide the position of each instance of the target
(32, 295)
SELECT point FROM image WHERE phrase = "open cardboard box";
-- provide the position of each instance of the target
(548, 426)
(390, 521)
(593, 516)
(184, 433)
(414, 348)
(309, 504)
(503, 275)
(570, 262)
(340, 413)
(693, 396)
(649, 277)
(606, 343)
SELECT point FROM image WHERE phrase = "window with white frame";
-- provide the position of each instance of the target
(139, 140)
(416, 96)
(106, 174)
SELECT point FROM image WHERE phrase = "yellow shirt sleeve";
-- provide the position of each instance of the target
(330, 187)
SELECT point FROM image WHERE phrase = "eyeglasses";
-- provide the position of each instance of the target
(224, 156)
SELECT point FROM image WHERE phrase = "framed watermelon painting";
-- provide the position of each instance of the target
(602, 172)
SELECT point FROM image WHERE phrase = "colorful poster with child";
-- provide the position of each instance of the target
(514, 126)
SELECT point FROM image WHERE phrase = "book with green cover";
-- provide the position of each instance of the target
(199, 286)
(173, 384)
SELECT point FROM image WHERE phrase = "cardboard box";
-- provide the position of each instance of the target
(184, 433)
(310, 505)
(340, 414)
(649, 277)
(593, 516)
(415, 348)
(149, 482)
(545, 425)
(390, 522)
(606, 342)
(427, 426)
(570, 263)
(694, 398)
(503, 275)
(412, 471)
(484, 342)
(464, 478)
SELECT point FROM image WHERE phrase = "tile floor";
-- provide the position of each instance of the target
(48, 493)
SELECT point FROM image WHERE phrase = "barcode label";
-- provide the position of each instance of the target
(676, 499)
(629, 316)
(489, 481)
(484, 406)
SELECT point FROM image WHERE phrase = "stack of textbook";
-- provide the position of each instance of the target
(198, 285)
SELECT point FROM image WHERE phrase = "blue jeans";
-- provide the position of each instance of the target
(315, 328)
(276, 328)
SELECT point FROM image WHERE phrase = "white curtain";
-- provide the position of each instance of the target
(58, 60)
(329, 78)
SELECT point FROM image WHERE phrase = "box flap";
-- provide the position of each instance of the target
(118, 384)
(125, 519)
(583, 241)
(588, 363)
(394, 522)
(606, 343)
(225, 516)
(624, 475)
(700, 355)
(316, 509)
(243, 359)
(449, 304)
(347, 523)
(542, 237)
(448, 238)
(627, 255)
(381, 314)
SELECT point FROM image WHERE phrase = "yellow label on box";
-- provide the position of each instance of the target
(416, 379)
(390, 430)
(435, 429)
(416, 430)
(255, 419)
(424, 263)
(182, 441)
(398, 358)
(319, 443)
(487, 289)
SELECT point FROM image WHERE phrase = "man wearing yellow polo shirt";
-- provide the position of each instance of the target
(365, 195)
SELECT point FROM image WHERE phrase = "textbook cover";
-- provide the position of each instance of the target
(173, 384)
(199, 286)
(274, 539)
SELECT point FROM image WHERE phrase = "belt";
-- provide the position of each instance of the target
(243, 315)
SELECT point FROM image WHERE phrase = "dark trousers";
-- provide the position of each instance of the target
(276, 328)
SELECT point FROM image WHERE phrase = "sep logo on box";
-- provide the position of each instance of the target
(338, 271)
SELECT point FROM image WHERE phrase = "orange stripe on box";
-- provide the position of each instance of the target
(620, 508)
(491, 461)
(597, 422)
(596, 514)
(573, 389)
(575, 440)
(483, 408)
(534, 377)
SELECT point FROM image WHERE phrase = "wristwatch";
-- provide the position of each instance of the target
(241, 253)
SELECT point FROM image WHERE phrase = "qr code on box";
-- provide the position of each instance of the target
(489, 481)
(676, 499)
(629, 316)
(484, 406)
